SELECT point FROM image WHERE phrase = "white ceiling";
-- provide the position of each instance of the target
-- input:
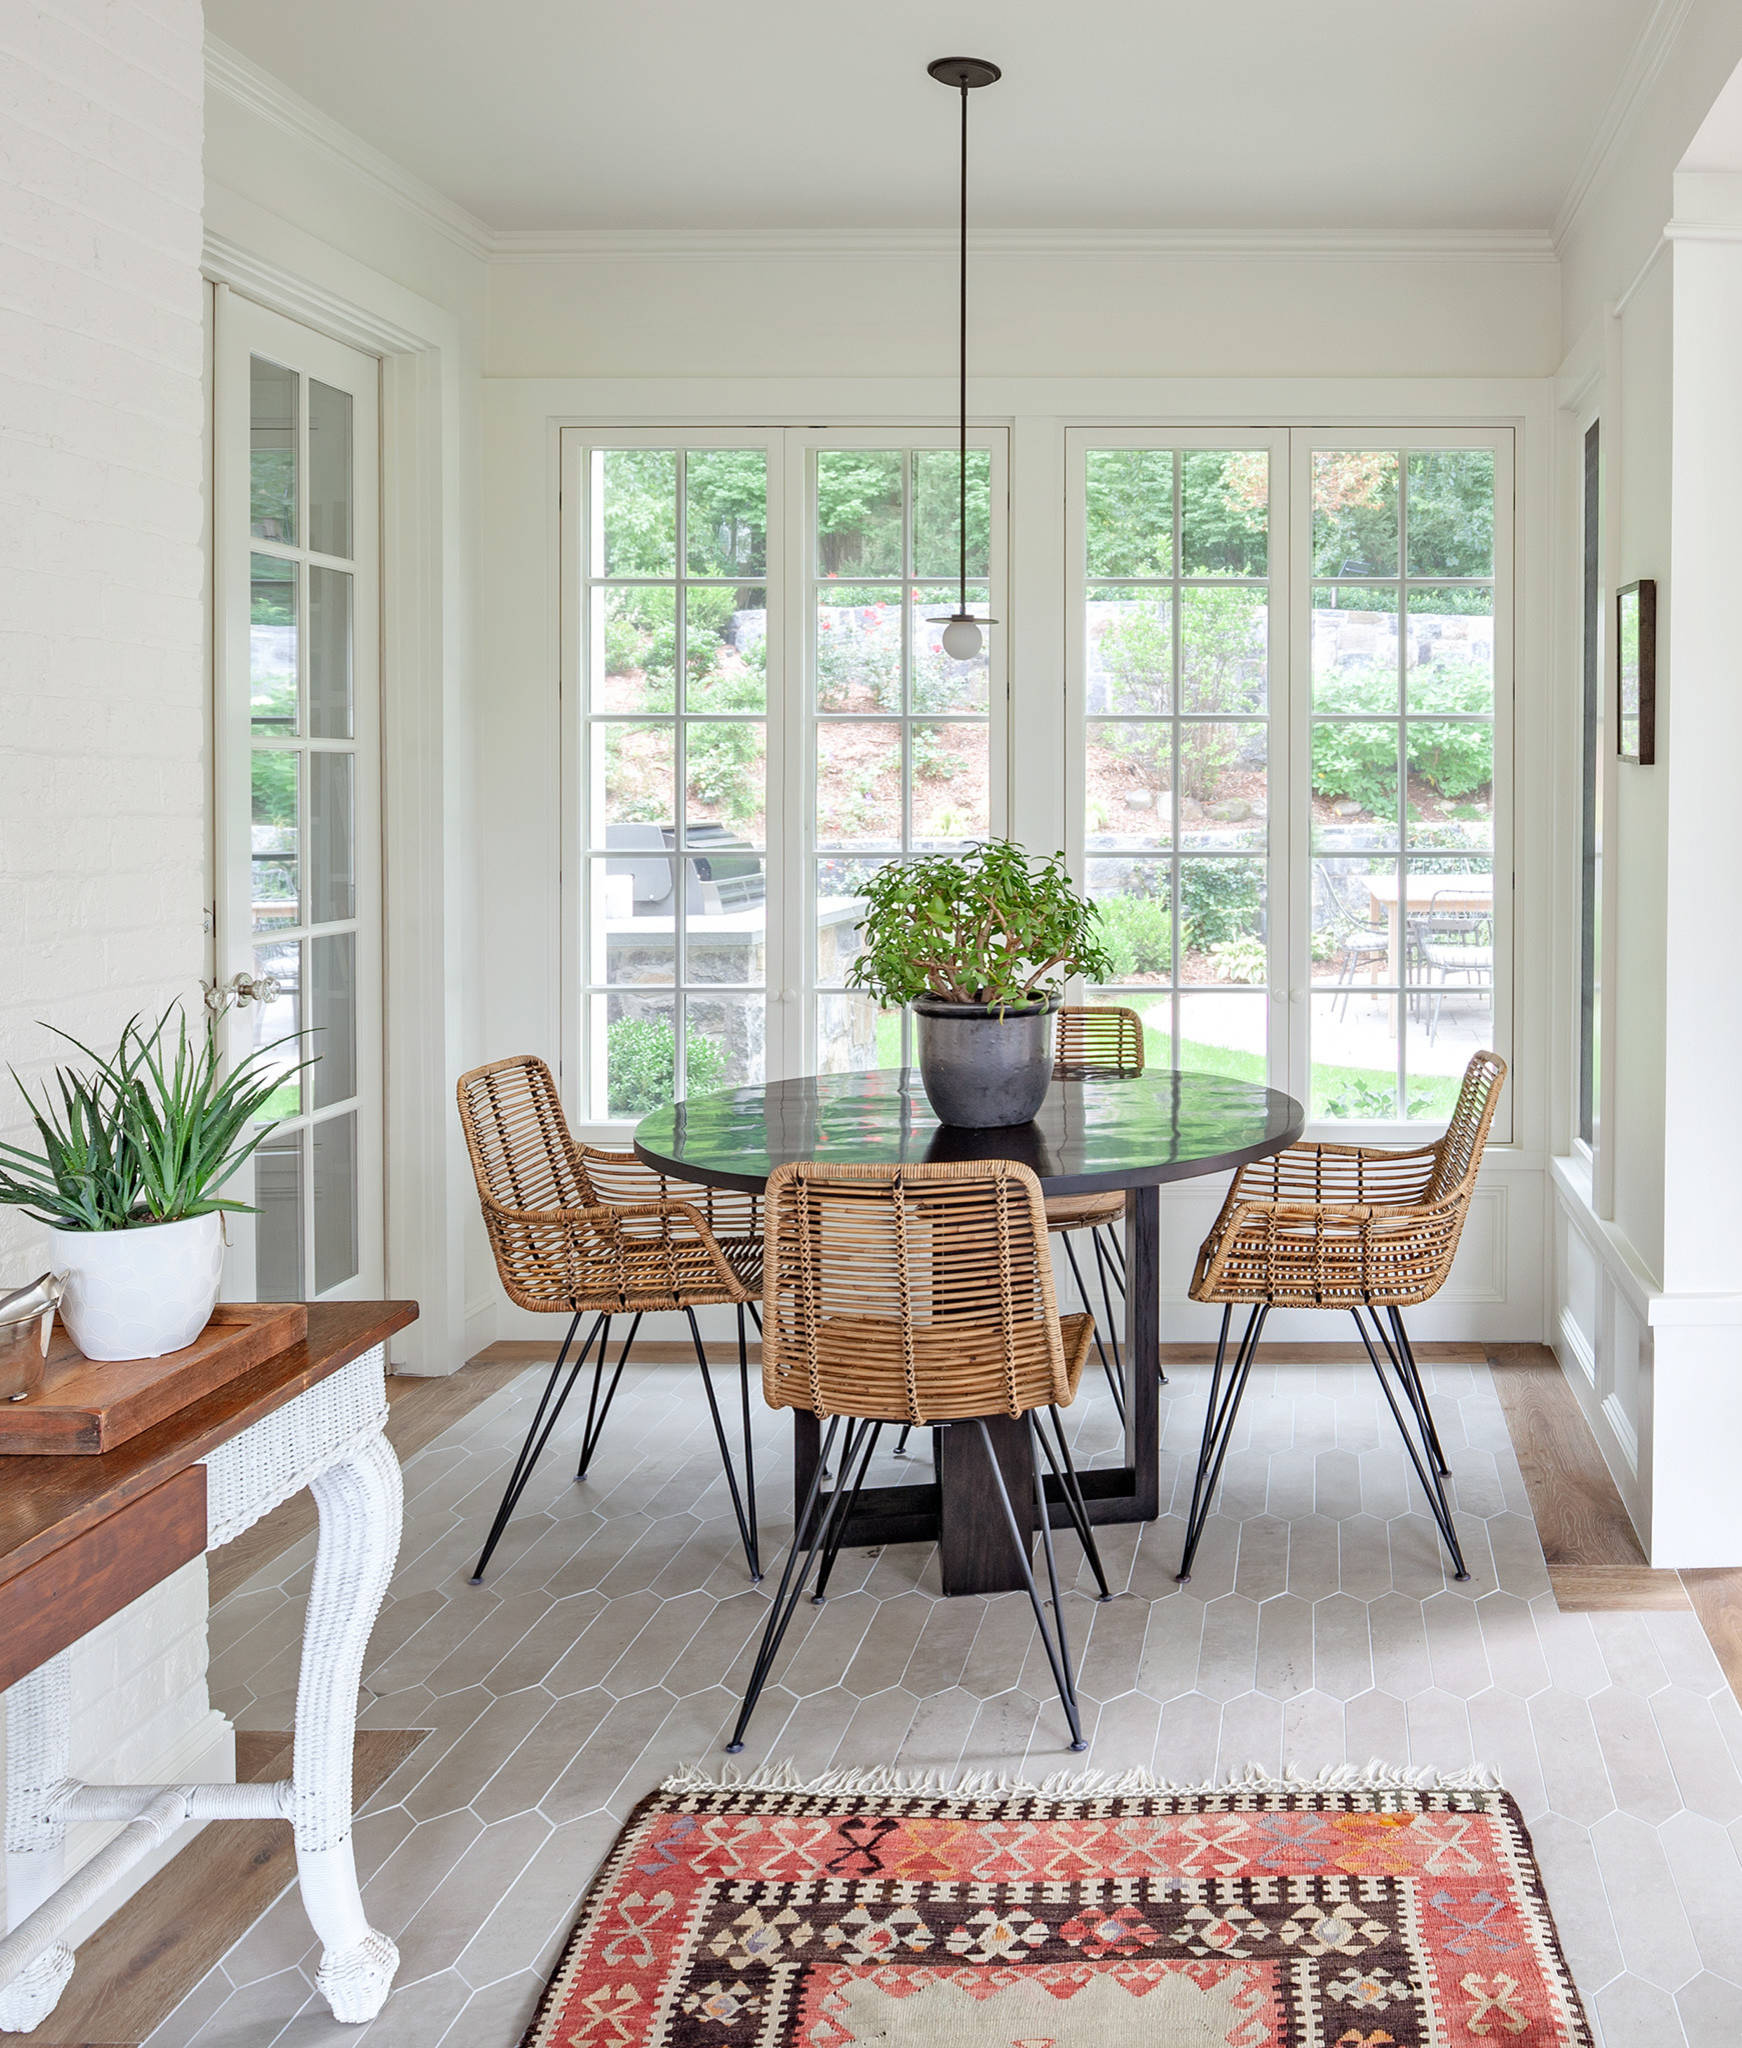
(1120, 113)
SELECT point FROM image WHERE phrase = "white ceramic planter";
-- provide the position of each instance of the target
(139, 1293)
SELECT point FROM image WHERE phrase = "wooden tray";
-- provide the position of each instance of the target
(86, 1406)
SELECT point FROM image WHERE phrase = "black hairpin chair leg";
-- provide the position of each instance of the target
(544, 1420)
(1220, 1414)
(596, 1412)
(746, 1524)
(1058, 1654)
(1115, 1380)
(1428, 1460)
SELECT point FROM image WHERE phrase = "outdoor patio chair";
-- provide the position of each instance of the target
(1446, 942)
(1343, 1226)
(580, 1231)
(1360, 941)
(917, 1295)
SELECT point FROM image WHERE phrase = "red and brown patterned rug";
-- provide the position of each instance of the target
(1359, 1911)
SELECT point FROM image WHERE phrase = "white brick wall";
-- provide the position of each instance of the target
(102, 693)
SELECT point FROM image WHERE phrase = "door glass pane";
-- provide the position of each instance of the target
(1223, 656)
(329, 469)
(634, 664)
(853, 1036)
(1224, 782)
(271, 451)
(726, 648)
(1128, 763)
(726, 511)
(634, 913)
(1130, 650)
(858, 647)
(937, 511)
(840, 904)
(1451, 512)
(276, 1020)
(634, 767)
(1135, 900)
(635, 512)
(641, 1052)
(1225, 512)
(859, 512)
(1225, 1033)
(1222, 921)
(329, 653)
(276, 877)
(858, 783)
(333, 1143)
(272, 629)
(332, 1012)
(1128, 509)
(332, 839)
(1451, 782)
(951, 801)
(1449, 636)
(726, 772)
(1355, 648)
(1354, 783)
(1354, 1041)
(278, 1222)
(724, 1035)
(940, 682)
(1355, 512)
(726, 918)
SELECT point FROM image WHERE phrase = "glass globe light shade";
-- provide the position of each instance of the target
(962, 639)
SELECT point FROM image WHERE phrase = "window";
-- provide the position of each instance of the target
(1288, 657)
(1287, 680)
(1174, 786)
(905, 754)
(1591, 788)
(1403, 913)
(737, 781)
(675, 745)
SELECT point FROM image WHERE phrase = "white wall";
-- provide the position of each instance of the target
(1172, 329)
(1648, 1261)
(307, 219)
(102, 693)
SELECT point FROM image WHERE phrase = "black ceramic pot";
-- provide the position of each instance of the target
(985, 1068)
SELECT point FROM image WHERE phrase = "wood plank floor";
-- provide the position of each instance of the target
(140, 1964)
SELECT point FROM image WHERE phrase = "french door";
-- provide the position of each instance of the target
(296, 793)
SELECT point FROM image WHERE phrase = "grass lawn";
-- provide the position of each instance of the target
(1431, 1095)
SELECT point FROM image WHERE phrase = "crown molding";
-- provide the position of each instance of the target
(230, 73)
(555, 245)
(1645, 60)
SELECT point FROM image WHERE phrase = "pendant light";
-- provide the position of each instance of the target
(962, 638)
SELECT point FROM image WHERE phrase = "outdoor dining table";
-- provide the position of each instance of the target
(1132, 1132)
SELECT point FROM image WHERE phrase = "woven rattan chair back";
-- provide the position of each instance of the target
(1459, 1151)
(1097, 1041)
(522, 1154)
(909, 1294)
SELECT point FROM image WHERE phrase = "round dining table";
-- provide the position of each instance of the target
(1129, 1132)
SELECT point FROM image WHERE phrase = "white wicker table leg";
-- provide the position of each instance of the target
(360, 1501)
(38, 1709)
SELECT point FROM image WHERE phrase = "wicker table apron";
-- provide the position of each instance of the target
(311, 1417)
(1129, 1131)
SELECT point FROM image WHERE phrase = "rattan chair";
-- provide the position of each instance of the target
(918, 1295)
(578, 1231)
(1343, 1226)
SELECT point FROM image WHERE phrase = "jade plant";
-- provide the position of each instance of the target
(995, 926)
(148, 1135)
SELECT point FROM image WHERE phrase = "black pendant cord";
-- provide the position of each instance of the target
(962, 407)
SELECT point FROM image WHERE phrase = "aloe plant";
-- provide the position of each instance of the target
(147, 1135)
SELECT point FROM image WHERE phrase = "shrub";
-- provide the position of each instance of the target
(641, 1054)
(1138, 934)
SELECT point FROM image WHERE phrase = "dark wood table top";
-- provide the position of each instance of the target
(46, 1503)
(1120, 1131)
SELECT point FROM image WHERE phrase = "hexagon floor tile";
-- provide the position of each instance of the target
(614, 1633)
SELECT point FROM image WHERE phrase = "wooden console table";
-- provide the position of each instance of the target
(81, 1537)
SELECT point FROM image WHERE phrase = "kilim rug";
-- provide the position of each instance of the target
(1359, 1910)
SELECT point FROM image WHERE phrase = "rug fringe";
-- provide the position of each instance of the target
(979, 1785)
